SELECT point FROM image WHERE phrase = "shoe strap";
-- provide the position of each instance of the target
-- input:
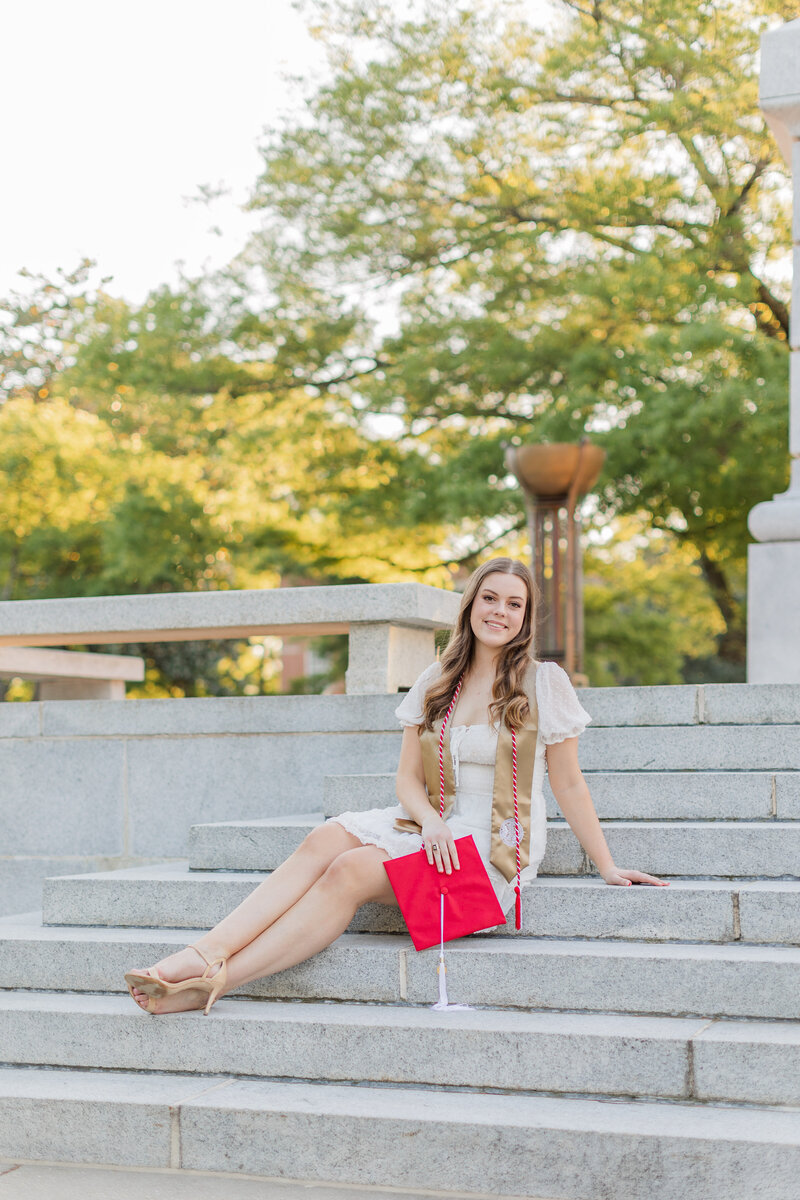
(203, 954)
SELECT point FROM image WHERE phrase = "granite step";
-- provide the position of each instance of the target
(624, 795)
(243, 841)
(694, 704)
(691, 748)
(172, 895)
(77, 1181)
(263, 844)
(730, 849)
(595, 975)
(445, 1140)
(562, 1053)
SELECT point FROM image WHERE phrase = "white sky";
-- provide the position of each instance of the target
(115, 113)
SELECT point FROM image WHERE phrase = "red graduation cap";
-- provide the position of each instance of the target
(438, 907)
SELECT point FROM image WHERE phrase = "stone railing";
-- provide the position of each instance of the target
(391, 626)
(70, 675)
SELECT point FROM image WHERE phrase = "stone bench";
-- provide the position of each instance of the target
(391, 626)
(70, 675)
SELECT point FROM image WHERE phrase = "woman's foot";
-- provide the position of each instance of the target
(181, 1002)
(175, 967)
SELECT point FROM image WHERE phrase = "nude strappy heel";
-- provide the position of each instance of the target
(153, 985)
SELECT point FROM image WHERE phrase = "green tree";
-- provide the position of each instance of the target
(111, 485)
(57, 468)
(474, 234)
(646, 619)
(579, 233)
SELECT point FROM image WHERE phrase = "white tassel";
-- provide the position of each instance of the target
(442, 1004)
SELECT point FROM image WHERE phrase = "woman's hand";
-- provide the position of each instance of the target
(436, 833)
(615, 875)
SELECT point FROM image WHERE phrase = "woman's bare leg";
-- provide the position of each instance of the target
(316, 920)
(265, 904)
(313, 922)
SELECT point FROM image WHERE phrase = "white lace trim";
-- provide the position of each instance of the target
(380, 832)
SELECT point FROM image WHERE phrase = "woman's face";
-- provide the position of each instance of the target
(498, 610)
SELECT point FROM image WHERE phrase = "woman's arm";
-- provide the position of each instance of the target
(412, 794)
(410, 781)
(572, 793)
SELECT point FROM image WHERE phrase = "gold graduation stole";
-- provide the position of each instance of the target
(504, 842)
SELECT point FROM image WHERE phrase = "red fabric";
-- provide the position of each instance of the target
(470, 901)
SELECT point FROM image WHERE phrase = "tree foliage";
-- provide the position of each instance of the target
(474, 234)
(581, 233)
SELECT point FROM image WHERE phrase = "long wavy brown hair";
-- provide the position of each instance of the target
(509, 703)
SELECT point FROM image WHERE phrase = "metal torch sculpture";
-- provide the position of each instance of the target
(553, 479)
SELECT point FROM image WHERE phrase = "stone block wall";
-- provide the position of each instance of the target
(96, 785)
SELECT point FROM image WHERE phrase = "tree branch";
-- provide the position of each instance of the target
(778, 309)
(472, 554)
(11, 577)
(758, 170)
(257, 387)
(708, 177)
(731, 642)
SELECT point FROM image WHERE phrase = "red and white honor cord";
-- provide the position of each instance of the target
(443, 1002)
(518, 901)
(441, 746)
(517, 889)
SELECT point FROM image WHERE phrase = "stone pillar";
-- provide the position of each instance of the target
(773, 564)
(385, 657)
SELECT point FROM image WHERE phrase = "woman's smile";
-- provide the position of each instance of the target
(499, 608)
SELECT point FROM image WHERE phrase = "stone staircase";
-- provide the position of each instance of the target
(627, 1042)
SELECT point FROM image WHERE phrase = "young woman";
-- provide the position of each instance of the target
(498, 687)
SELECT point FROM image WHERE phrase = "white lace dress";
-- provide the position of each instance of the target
(473, 749)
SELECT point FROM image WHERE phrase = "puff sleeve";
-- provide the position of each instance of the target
(561, 714)
(409, 710)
